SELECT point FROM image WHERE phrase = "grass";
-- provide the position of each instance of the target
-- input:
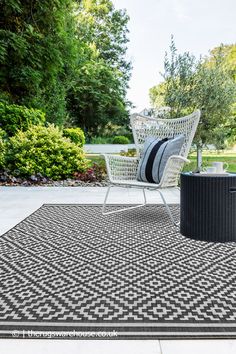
(98, 159)
(208, 158)
(95, 158)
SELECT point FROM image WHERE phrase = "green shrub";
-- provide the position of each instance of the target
(2, 147)
(76, 135)
(14, 118)
(120, 139)
(110, 130)
(44, 150)
(100, 140)
(3, 134)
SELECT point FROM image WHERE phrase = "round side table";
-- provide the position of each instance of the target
(208, 207)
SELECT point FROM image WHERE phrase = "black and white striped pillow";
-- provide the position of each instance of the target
(155, 155)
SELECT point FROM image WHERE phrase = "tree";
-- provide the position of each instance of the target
(67, 58)
(99, 87)
(38, 52)
(101, 24)
(227, 53)
(96, 97)
(157, 95)
(191, 84)
(215, 94)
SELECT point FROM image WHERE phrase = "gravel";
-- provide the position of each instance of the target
(38, 180)
(65, 183)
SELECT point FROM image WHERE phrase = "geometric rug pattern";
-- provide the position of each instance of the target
(69, 267)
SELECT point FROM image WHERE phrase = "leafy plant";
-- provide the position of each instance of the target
(3, 134)
(95, 173)
(43, 150)
(2, 147)
(110, 130)
(76, 135)
(38, 54)
(14, 118)
(190, 84)
(227, 52)
(97, 97)
(106, 27)
(120, 140)
(100, 140)
(67, 58)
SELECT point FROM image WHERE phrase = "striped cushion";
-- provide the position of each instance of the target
(155, 155)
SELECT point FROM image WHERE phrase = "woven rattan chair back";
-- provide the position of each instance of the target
(143, 127)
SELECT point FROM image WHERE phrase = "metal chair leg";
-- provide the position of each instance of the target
(104, 212)
(168, 209)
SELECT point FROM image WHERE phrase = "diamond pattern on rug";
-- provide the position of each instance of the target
(70, 263)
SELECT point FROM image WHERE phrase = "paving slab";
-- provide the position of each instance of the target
(16, 203)
(198, 346)
(29, 346)
(107, 148)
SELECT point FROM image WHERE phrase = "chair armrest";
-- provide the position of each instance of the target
(172, 170)
(121, 167)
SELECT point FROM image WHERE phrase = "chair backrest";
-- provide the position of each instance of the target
(144, 126)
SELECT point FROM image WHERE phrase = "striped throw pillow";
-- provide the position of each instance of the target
(155, 155)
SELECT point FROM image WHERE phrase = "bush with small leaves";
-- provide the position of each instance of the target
(120, 139)
(100, 140)
(3, 134)
(2, 147)
(76, 135)
(14, 118)
(44, 150)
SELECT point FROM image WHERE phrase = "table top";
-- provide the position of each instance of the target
(209, 175)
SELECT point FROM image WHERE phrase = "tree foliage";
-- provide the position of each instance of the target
(190, 84)
(227, 55)
(96, 97)
(66, 58)
(14, 118)
(99, 88)
(37, 54)
(101, 24)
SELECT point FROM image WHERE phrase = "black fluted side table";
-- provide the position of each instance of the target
(208, 207)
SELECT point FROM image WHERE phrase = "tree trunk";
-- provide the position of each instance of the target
(199, 158)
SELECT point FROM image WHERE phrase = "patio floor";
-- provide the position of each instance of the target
(18, 202)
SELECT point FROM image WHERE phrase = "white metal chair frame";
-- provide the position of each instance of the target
(122, 170)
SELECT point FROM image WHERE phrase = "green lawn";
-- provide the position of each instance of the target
(208, 157)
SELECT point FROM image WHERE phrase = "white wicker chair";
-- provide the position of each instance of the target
(122, 171)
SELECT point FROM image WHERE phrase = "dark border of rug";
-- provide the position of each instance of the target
(63, 330)
(118, 331)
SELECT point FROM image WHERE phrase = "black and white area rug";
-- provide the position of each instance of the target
(68, 269)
